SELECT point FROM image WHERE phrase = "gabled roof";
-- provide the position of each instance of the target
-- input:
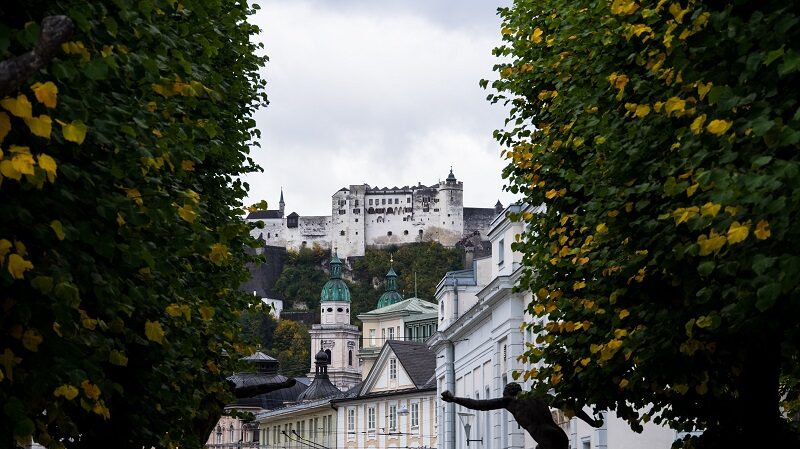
(264, 214)
(418, 360)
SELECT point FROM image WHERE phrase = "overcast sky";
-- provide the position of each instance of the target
(377, 92)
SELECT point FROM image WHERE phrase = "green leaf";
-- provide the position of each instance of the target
(705, 268)
(767, 295)
(96, 69)
(773, 55)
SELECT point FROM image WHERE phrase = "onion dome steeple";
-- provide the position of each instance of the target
(335, 289)
(451, 177)
(321, 387)
(391, 295)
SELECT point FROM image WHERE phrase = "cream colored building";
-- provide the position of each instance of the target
(396, 404)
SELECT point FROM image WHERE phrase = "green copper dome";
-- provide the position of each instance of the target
(391, 295)
(335, 289)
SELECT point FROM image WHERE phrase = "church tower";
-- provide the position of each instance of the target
(335, 335)
(281, 204)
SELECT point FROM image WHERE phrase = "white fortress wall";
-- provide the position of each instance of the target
(309, 230)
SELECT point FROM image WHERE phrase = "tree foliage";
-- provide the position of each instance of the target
(662, 139)
(291, 344)
(302, 278)
(120, 244)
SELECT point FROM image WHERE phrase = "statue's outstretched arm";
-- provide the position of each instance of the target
(475, 404)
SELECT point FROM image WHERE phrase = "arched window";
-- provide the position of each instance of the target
(330, 359)
(219, 434)
(350, 357)
(341, 232)
(230, 432)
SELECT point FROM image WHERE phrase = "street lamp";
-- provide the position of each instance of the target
(465, 417)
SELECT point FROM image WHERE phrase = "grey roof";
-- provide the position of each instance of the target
(274, 399)
(417, 359)
(259, 357)
(264, 214)
(415, 305)
(320, 388)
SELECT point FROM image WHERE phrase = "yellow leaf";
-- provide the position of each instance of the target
(46, 93)
(19, 106)
(585, 361)
(702, 388)
(711, 243)
(762, 231)
(697, 125)
(623, 313)
(117, 358)
(23, 163)
(691, 189)
(17, 266)
(67, 391)
(135, 196)
(206, 312)
(5, 248)
(710, 209)
(31, 339)
(718, 127)
(642, 110)
(623, 383)
(48, 164)
(187, 165)
(601, 228)
(674, 104)
(5, 127)
(677, 12)
(738, 232)
(702, 89)
(623, 7)
(619, 333)
(58, 229)
(187, 213)
(57, 329)
(593, 348)
(218, 254)
(120, 220)
(578, 285)
(154, 332)
(536, 37)
(90, 390)
(555, 379)
(174, 310)
(100, 409)
(74, 132)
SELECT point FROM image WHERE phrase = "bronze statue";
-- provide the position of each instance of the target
(530, 412)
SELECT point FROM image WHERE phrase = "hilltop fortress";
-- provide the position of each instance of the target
(363, 216)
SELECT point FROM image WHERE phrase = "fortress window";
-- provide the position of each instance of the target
(370, 202)
(304, 243)
(267, 234)
(355, 203)
(389, 233)
(437, 210)
(342, 211)
(406, 231)
(341, 232)
(408, 199)
(356, 220)
(356, 231)
(340, 310)
(356, 211)
(330, 309)
(396, 201)
(383, 201)
(420, 232)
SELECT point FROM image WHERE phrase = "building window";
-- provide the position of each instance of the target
(342, 211)
(356, 211)
(355, 203)
(351, 420)
(371, 418)
(383, 201)
(392, 417)
(383, 335)
(415, 414)
(230, 433)
(420, 232)
(500, 253)
(370, 202)
(408, 199)
(406, 231)
(356, 222)
(219, 434)
(391, 333)
(372, 337)
(389, 233)
(350, 357)
(341, 232)
(396, 201)
(392, 368)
